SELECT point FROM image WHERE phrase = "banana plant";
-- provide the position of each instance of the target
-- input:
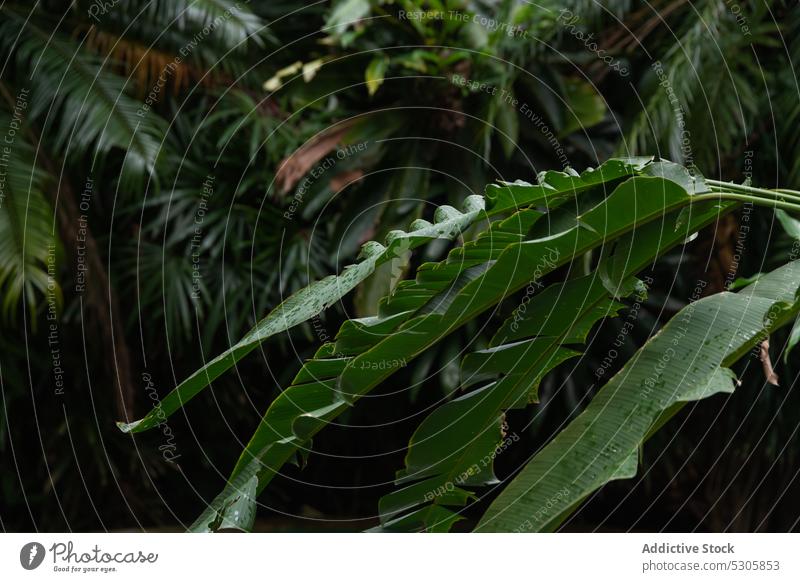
(622, 216)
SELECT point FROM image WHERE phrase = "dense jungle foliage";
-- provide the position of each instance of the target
(516, 256)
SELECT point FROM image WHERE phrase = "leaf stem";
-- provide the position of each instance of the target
(723, 195)
(787, 191)
(762, 192)
(768, 195)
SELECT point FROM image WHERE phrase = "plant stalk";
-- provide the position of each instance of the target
(758, 201)
(779, 194)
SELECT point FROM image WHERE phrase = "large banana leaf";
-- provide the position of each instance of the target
(443, 297)
(314, 398)
(308, 302)
(686, 361)
(453, 449)
(312, 300)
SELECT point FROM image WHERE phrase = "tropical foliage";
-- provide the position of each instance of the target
(638, 208)
(179, 169)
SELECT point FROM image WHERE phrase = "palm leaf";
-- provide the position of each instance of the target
(27, 241)
(207, 35)
(85, 108)
(699, 93)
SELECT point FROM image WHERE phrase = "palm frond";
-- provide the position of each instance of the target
(83, 106)
(701, 92)
(28, 245)
(204, 35)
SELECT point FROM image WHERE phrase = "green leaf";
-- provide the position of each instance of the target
(95, 115)
(742, 282)
(507, 120)
(585, 107)
(586, 211)
(685, 361)
(346, 14)
(555, 186)
(455, 446)
(240, 513)
(789, 224)
(375, 73)
(691, 182)
(29, 248)
(312, 300)
(792, 228)
(442, 298)
(234, 508)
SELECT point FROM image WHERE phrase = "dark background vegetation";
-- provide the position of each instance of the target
(261, 94)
